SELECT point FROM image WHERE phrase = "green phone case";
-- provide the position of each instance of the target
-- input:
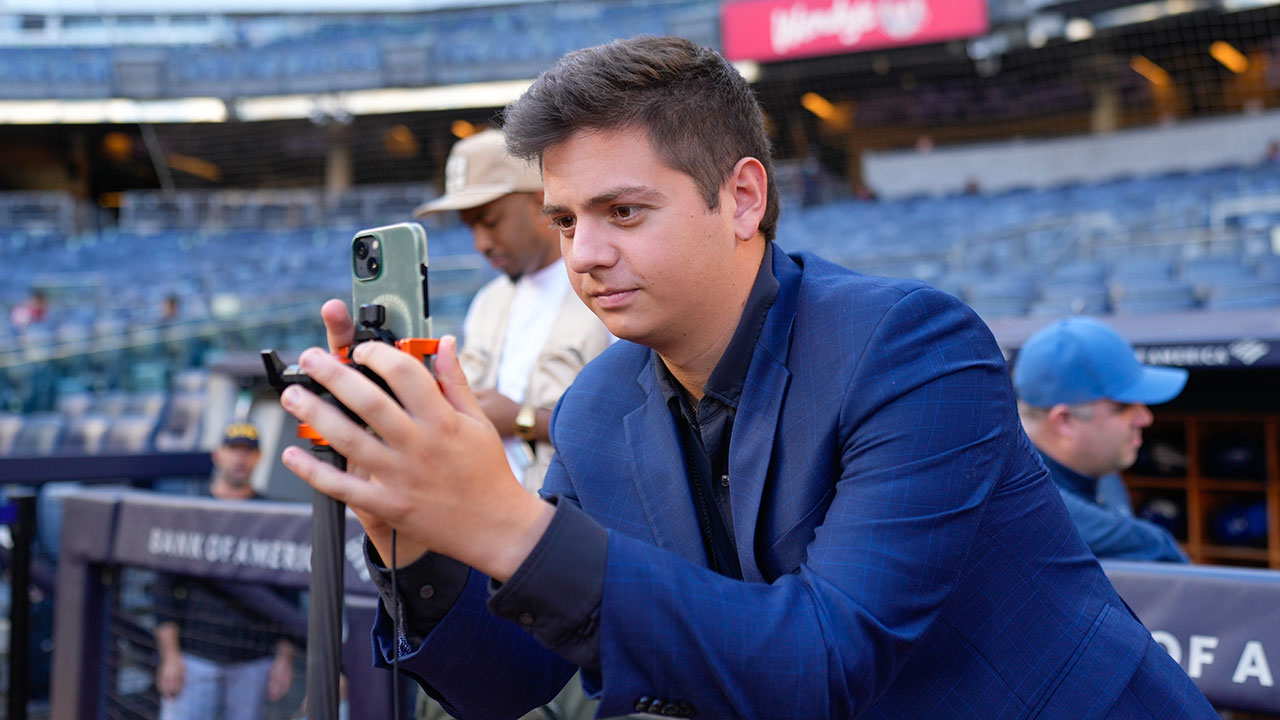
(399, 283)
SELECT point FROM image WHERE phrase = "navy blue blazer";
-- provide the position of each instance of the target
(904, 552)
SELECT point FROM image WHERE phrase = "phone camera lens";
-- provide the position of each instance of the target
(362, 250)
(373, 266)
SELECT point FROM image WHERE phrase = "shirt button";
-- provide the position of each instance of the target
(724, 480)
(426, 592)
(526, 618)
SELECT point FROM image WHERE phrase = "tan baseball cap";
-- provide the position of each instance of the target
(479, 171)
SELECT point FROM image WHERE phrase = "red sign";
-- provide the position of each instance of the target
(778, 29)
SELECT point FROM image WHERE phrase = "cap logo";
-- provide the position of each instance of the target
(240, 431)
(455, 174)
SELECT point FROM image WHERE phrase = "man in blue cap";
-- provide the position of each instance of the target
(1083, 397)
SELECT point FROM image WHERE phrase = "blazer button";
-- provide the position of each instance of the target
(687, 710)
(526, 618)
(671, 710)
(642, 704)
(655, 707)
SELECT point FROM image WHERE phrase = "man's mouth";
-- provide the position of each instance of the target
(611, 298)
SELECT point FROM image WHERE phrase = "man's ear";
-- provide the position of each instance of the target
(1060, 420)
(749, 188)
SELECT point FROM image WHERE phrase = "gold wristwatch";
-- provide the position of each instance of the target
(526, 422)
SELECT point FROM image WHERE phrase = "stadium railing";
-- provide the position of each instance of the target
(104, 655)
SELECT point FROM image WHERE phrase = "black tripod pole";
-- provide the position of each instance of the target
(24, 531)
(324, 620)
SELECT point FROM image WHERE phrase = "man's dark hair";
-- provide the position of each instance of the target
(700, 114)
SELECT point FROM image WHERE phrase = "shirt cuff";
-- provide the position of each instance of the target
(556, 592)
(427, 587)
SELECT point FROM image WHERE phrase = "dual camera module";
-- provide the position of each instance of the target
(366, 256)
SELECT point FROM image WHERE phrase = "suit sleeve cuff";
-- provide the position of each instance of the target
(427, 588)
(556, 593)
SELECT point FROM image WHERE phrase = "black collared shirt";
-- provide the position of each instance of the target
(706, 429)
(568, 561)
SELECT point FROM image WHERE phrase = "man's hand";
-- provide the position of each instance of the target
(280, 677)
(500, 409)
(436, 468)
(170, 676)
(340, 332)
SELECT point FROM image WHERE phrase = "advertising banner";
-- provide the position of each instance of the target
(1222, 625)
(248, 542)
(784, 29)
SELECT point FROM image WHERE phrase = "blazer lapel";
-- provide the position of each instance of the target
(661, 476)
(756, 422)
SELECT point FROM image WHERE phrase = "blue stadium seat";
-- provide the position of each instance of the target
(1152, 295)
(1246, 294)
(1070, 298)
(129, 434)
(85, 434)
(10, 426)
(40, 435)
(181, 425)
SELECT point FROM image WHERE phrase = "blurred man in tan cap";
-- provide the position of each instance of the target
(526, 334)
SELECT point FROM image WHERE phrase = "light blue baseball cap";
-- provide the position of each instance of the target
(1079, 360)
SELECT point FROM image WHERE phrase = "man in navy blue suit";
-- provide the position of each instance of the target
(789, 491)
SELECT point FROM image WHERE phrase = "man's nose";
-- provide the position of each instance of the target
(1142, 415)
(481, 239)
(588, 249)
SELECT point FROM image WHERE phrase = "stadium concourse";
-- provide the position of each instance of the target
(179, 189)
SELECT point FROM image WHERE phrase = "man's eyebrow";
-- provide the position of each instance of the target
(631, 192)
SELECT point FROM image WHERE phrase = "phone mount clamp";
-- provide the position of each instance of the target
(328, 516)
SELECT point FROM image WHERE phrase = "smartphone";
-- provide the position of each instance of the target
(389, 268)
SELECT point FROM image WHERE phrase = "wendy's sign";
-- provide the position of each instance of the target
(782, 29)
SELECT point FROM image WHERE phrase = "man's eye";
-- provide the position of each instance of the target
(626, 212)
(562, 223)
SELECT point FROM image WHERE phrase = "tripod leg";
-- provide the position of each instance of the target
(324, 623)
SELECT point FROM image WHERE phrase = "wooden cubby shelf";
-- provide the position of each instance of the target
(1232, 462)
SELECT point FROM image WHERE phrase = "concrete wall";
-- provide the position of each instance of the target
(1188, 146)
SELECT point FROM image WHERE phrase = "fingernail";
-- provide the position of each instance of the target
(289, 397)
(308, 358)
(289, 457)
(359, 351)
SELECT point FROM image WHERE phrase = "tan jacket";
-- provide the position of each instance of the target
(576, 337)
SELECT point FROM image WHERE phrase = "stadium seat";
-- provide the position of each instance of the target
(190, 380)
(1247, 294)
(1081, 272)
(73, 404)
(1152, 294)
(181, 425)
(1267, 267)
(40, 435)
(1062, 297)
(1140, 270)
(111, 404)
(149, 403)
(10, 426)
(129, 434)
(85, 435)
